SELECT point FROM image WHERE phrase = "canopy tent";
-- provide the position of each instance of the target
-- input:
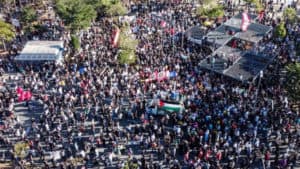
(232, 49)
(195, 34)
(231, 29)
(42, 51)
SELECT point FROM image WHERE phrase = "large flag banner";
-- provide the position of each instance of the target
(170, 106)
(161, 76)
(116, 34)
(245, 21)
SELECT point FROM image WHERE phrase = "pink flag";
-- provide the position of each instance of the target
(19, 90)
(245, 21)
(21, 97)
(116, 34)
(27, 95)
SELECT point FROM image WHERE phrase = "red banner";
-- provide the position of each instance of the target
(116, 34)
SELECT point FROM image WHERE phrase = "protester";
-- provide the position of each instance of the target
(94, 110)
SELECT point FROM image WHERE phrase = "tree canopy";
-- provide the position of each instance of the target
(290, 14)
(127, 56)
(28, 15)
(127, 44)
(75, 43)
(76, 14)
(257, 3)
(280, 30)
(109, 7)
(7, 31)
(293, 81)
(116, 9)
(210, 9)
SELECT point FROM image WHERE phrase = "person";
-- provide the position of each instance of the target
(95, 102)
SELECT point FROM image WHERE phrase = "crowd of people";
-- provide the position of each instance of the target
(93, 110)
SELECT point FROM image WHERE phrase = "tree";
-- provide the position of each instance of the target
(127, 44)
(75, 43)
(216, 12)
(210, 9)
(293, 81)
(290, 14)
(116, 9)
(257, 3)
(280, 30)
(76, 14)
(109, 7)
(28, 16)
(7, 32)
(127, 56)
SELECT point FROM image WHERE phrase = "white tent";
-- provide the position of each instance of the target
(42, 51)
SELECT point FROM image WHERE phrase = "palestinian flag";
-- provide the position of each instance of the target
(169, 106)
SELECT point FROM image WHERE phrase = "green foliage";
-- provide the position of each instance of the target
(256, 3)
(210, 9)
(280, 30)
(35, 28)
(7, 31)
(109, 7)
(40, 28)
(75, 43)
(76, 14)
(130, 165)
(293, 81)
(20, 149)
(216, 12)
(127, 56)
(116, 9)
(127, 42)
(290, 14)
(209, 3)
(28, 15)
